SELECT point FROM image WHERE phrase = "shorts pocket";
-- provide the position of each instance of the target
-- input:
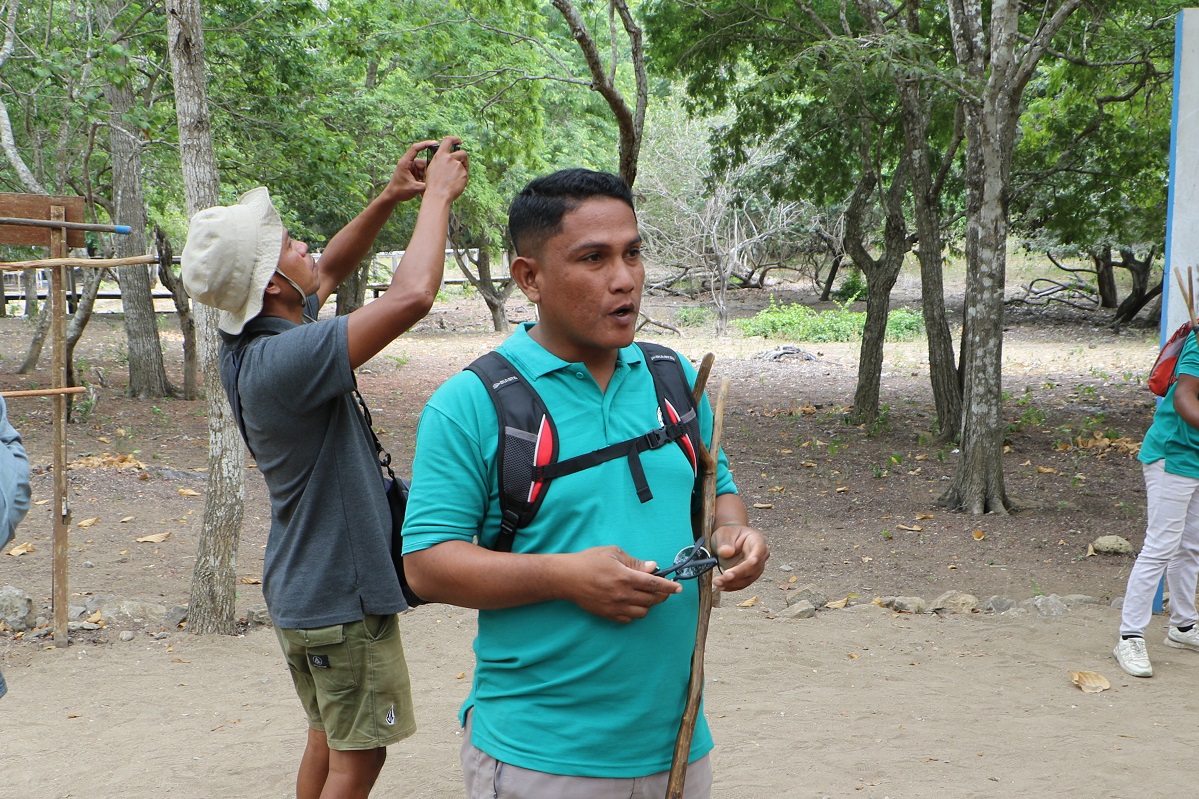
(378, 627)
(330, 659)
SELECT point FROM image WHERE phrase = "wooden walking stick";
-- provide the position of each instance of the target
(1188, 296)
(706, 524)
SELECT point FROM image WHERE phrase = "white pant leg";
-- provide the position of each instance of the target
(1182, 575)
(1171, 539)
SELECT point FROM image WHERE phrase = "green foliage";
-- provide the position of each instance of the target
(801, 323)
(1095, 136)
(852, 288)
(692, 317)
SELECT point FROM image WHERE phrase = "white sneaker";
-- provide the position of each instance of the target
(1133, 657)
(1180, 640)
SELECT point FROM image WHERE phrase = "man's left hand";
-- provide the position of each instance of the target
(743, 553)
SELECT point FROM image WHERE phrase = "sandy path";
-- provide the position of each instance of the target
(974, 706)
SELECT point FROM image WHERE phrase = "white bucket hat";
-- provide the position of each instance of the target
(230, 255)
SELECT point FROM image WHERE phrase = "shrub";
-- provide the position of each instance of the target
(853, 287)
(692, 317)
(801, 323)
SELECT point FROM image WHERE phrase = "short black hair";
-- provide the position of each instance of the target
(536, 213)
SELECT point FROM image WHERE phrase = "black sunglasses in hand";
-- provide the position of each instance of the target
(690, 563)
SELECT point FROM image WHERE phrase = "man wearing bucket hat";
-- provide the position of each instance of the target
(327, 576)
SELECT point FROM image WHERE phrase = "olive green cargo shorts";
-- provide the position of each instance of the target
(353, 681)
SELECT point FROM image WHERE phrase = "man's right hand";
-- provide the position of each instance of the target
(611, 583)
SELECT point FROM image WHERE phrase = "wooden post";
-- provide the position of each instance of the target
(62, 515)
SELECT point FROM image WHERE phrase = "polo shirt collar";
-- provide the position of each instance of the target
(536, 361)
(259, 325)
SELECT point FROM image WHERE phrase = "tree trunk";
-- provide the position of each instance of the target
(147, 373)
(926, 213)
(187, 323)
(29, 285)
(79, 320)
(38, 340)
(881, 274)
(978, 485)
(212, 606)
(1105, 278)
(630, 122)
(1140, 295)
(998, 63)
(832, 275)
(496, 296)
(351, 294)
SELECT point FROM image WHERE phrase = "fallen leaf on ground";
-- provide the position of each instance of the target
(251, 581)
(127, 519)
(21, 549)
(979, 535)
(88, 522)
(842, 489)
(94, 618)
(853, 655)
(749, 603)
(837, 603)
(1089, 681)
(187, 492)
(41, 502)
(924, 515)
(911, 528)
(764, 505)
(1046, 470)
(1090, 550)
(153, 538)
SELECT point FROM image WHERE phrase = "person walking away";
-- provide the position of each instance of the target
(1170, 461)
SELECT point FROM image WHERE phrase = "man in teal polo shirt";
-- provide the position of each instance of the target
(1170, 458)
(582, 653)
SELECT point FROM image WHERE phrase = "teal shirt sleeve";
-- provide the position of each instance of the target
(14, 478)
(453, 467)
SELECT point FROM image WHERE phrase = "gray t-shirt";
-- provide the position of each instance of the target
(328, 554)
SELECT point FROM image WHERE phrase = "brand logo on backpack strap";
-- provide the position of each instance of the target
(504, 382)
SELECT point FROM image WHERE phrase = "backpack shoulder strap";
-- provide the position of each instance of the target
(674, 396)
(528, 439)
(527, 450)
(233, 374)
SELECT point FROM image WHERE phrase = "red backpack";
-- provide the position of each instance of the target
(1162, 376)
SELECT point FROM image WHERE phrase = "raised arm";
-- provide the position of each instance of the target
(418, 276)
(353, 242)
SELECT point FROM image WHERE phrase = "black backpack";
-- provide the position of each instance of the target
(527, 455)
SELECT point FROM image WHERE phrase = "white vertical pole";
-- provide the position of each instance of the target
(1182, 215)
(1182, 208)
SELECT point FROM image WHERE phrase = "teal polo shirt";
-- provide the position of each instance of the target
(557, 689)
(1170, 437)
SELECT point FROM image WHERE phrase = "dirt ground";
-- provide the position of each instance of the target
(856, 702)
